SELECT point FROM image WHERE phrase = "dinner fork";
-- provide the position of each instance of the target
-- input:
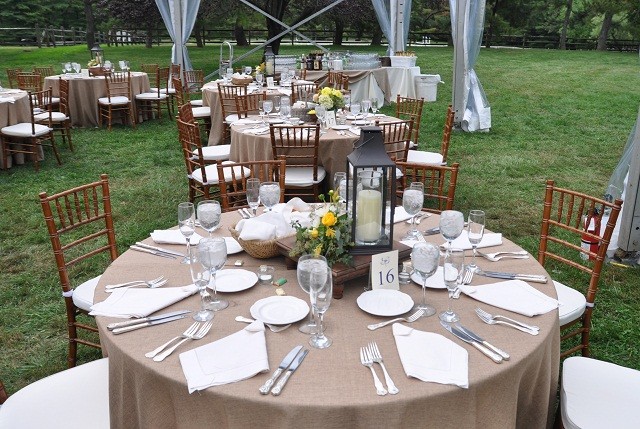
(415, 316)
(204, 329)
(190, 330)
(366, 360)
(157, 282)
(490, 321)
(495, 257)
(466, 280)
(497, 316)
(376, 356)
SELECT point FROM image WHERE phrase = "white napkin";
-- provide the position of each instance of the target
(233, 358)
(436, 281)
(256, 131)
(7, 100)
(173, 236)
(355, 130)
(399, 215)
(265, 227)
(285, 91)
(488, 240)
(431, 357)
(513, 295)
(140, 302)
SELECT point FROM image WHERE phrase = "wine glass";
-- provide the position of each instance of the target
(253, 194)
(306, 264)
(209, 213)
(475, 230)
(453, 269)
(107, 65)
(424, 257)
(354, 108)
(67, 67)
(187, 225)
(374, 106)
(212, 253)
(261, 111)
(366, 105)
(451, 225)
(267, 105)
(269, 194)
(412, 201)
(200, 277)
(340, 184)
(320, 293)
(247, 70)
(320, 113)
(76, 67)
(276, 105)
(259, 79)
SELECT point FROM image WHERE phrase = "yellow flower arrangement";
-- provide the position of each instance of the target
(329, 98)
(329, 234)
(259, 69)
(93, 63)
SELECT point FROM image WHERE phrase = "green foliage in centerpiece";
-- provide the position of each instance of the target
(329, 234)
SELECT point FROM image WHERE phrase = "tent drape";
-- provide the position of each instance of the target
(477, 112)
(387, 12)
(179, 16)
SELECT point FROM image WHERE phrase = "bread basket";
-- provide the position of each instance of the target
(257, 248)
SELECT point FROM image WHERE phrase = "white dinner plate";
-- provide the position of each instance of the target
(340, 127)
(436, 281)
(233, 246)
(385, 302)
(275, 121)
(235, 280)
(360, 122)
(279, 310)
(352, 117)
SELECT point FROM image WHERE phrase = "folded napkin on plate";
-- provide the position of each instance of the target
(285, 91)
(436, 281)
(256, 131)
(7, 100)
(513, 295)
(140, 302)
(488, 240)
(355, 130)
(399, 215)
(233, 358)
(431, 357)
(173, 236)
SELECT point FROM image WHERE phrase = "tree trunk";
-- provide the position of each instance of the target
(338, 33)
(492, 21)
(604, 31)
(91, 24)
(376, 38)
(276, 9)
(565, 25)
(197, 32)
(149, 39)
(238, 32)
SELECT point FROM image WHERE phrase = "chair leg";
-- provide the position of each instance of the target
(55, 148)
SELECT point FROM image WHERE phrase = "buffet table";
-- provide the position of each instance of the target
(331, 389)
(14, 109)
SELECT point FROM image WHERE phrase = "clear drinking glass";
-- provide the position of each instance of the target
(269, 194)
(412, 202)
(187, 225)
(276, 104)
(253, 194)
(340, 185)
(261, 111)
(424, 258)
(247, 70)
(267, 105)
(209, 213)
(259, 79)
(453, 269)
(200, 276)
(321, 291)
(306, 264)
(366, 105)
(320, 113)
(354, 108)
(475, 230)
(77, 67)
(451, 225)
(374, 105)
(212, 253)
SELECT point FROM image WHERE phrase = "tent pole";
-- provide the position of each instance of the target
(177, 28)
(459, 64)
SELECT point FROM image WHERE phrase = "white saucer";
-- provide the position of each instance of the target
(279, 310)
(385, 302)
(275, 121)
(235, 280)
(436, 281)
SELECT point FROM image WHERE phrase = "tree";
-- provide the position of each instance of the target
(565, 25)
(135, 14)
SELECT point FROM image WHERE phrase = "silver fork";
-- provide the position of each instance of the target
(466, 280)
(508, 319)
(157, 282)
(243, 214)
(493, 257)
(204, 329)
(375, 354)
(190, 331)
(273, 328)
(365, 359)
(415, 316)
(490, 321)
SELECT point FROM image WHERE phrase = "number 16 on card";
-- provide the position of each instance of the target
(384, 271)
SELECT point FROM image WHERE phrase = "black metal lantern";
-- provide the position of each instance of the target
(269, 61)
(371, 195)
(97, 54)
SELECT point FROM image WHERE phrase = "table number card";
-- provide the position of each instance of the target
(384, 271)
(270, 83)
(330, 118)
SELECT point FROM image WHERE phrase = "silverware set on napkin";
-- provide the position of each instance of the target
(494, 353)
(369, 355)
(197, 331)
(289, 364)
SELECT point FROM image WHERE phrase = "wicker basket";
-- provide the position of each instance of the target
(257, 249)
(241, 80)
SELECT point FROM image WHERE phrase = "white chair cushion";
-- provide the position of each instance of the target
(572, 303)
(212, 173)
(23, 130)
(230, 119)
(597, 394)
(412, 145)
(76, 398)
(196, 102)
(201, 112)
(83, 294)
(216, 153)
(114, 100)
(302, 177)
(151, 96)
(423, 157)
(167, 90)
(55, 117)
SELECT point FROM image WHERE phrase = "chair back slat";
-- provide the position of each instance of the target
(233, 193)
(12, 76)
(397, 138)
(439, 184)
(249, 104)
(410, 108)
(303, 91)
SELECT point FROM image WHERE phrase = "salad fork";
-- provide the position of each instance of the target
(491, 321)
(491, 316)
(415, 316)
(190, 331)
(376, 356)
(365, 359)
(495, 257)
(204, 329)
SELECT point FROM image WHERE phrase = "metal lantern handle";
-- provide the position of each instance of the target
(225, 64)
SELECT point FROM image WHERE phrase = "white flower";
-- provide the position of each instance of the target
(325, 101)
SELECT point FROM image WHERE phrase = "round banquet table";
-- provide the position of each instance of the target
(84, 92)
(331, 389)
(12, 113)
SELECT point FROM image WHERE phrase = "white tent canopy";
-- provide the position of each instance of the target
(393, 17)
(179, 16)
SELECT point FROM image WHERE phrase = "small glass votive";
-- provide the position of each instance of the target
(265, 274)
(404, 276)
(341, 120)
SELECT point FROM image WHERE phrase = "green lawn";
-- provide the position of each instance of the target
(559, 115)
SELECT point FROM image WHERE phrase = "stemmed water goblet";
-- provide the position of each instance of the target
(212, 253)
(425, 257)
(259, 79)
(261, 111)
(276, 104)
(76, 67)
(451, 225)
(269, 194)
(475, 231)
(354, 108)
(285, 107)
(306, 265)
(187, 225)
(200, 276)
(247, 70)
(366, 105)
(412, 201)
(374, 106)
(267, 105)
(68, 67)
(340, 185)
(320, 293)
(321, 113)
(209, 213)
(253, 194)
(453, 271)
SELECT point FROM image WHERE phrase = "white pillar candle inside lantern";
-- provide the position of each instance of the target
(369, 207)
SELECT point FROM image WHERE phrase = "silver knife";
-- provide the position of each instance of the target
(153, 252)
(266, 387)
(505, 355)
(467, 339)
(535, 278)
(159, 249)
(112, 326)
(296, 363)
(145, 324)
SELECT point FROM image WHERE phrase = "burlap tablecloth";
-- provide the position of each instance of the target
(14, 113)
(331, 389)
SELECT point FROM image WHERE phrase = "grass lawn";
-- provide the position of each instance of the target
(559, 115)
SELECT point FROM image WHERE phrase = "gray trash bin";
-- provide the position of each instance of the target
(427, 86)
